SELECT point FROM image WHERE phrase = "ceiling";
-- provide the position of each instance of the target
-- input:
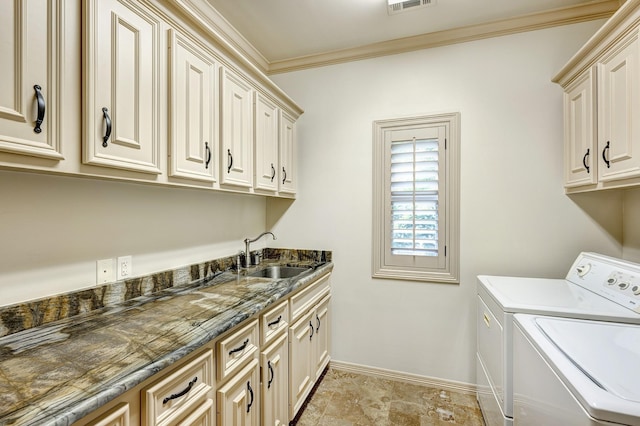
(281, 30)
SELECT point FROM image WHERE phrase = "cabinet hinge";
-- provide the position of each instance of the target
(445, 143)
(445, 251)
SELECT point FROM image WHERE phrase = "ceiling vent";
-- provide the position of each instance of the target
(405, 6)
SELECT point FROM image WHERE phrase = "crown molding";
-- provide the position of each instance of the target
(562, 16)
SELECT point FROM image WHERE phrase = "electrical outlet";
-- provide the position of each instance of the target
(105, 271)
(125, 267)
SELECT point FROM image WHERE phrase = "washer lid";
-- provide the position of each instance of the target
(554, 297)
(608, 353)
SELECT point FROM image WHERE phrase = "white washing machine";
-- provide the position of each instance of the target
(596, 287)
(574, 372)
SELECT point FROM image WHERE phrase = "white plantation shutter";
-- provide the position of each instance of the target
(415, 199)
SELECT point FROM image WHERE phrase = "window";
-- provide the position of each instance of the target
(415, 198)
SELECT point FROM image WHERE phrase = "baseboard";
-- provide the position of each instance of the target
(451, 385)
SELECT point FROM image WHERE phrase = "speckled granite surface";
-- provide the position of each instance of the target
(56, 374)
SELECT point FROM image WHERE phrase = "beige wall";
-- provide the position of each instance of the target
(631, 225)
(53, 229)
(515, 218)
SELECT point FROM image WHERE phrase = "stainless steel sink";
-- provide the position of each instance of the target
(279, 272)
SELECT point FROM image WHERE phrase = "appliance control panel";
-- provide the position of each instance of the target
(615, 279)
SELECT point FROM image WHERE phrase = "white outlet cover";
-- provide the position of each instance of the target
(105, 271)
(124, 267)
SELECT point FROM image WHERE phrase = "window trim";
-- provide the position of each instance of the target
(450, 272)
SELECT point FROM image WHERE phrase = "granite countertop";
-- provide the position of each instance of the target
(57, 373)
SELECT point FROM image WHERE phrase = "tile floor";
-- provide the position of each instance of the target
(348, 399)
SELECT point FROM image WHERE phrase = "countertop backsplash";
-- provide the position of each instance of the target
(23, 316)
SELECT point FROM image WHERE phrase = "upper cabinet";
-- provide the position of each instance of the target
(288, 162)
(193, 105)
(237, 131)
(143, 90)
(121, 85)
(601, 103)
(30, 83)
(266, 144)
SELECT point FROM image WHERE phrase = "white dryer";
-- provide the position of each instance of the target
(596, 287)
(574, 372)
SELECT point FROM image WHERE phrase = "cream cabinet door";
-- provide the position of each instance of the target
(619, 107)
(288, 164)
(237, 400)
(581, 156)
(301, 361)
(121, 82)
(30, 74)
(274, 363)
(322, 335)
(266, 144)
(237, 131)
(193, 105)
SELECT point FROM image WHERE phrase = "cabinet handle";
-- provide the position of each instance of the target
(250, 393)
(208, 151)
(271, 374)
(285, 175)
(107, 120)
(604, 155)
(179, 394)
(273, 172)
(584, 161)
(239, 348)
(317, 326)
(311, 335)
(230, 160)
(274, 322)
(41, 108)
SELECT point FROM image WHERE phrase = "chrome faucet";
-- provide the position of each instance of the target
(247, 249)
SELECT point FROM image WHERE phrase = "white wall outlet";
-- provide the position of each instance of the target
(125, 267)
(105, 271)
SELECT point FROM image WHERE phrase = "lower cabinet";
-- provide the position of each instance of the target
(184, 396)
(238, 400)
(119, 416)
(259, 373)
(274, 363)
(309, 348)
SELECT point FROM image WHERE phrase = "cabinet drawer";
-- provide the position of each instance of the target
(237, 349)
(179, 392)
(204, 415)
(274, 323)
(119, 416)
(302, 301)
